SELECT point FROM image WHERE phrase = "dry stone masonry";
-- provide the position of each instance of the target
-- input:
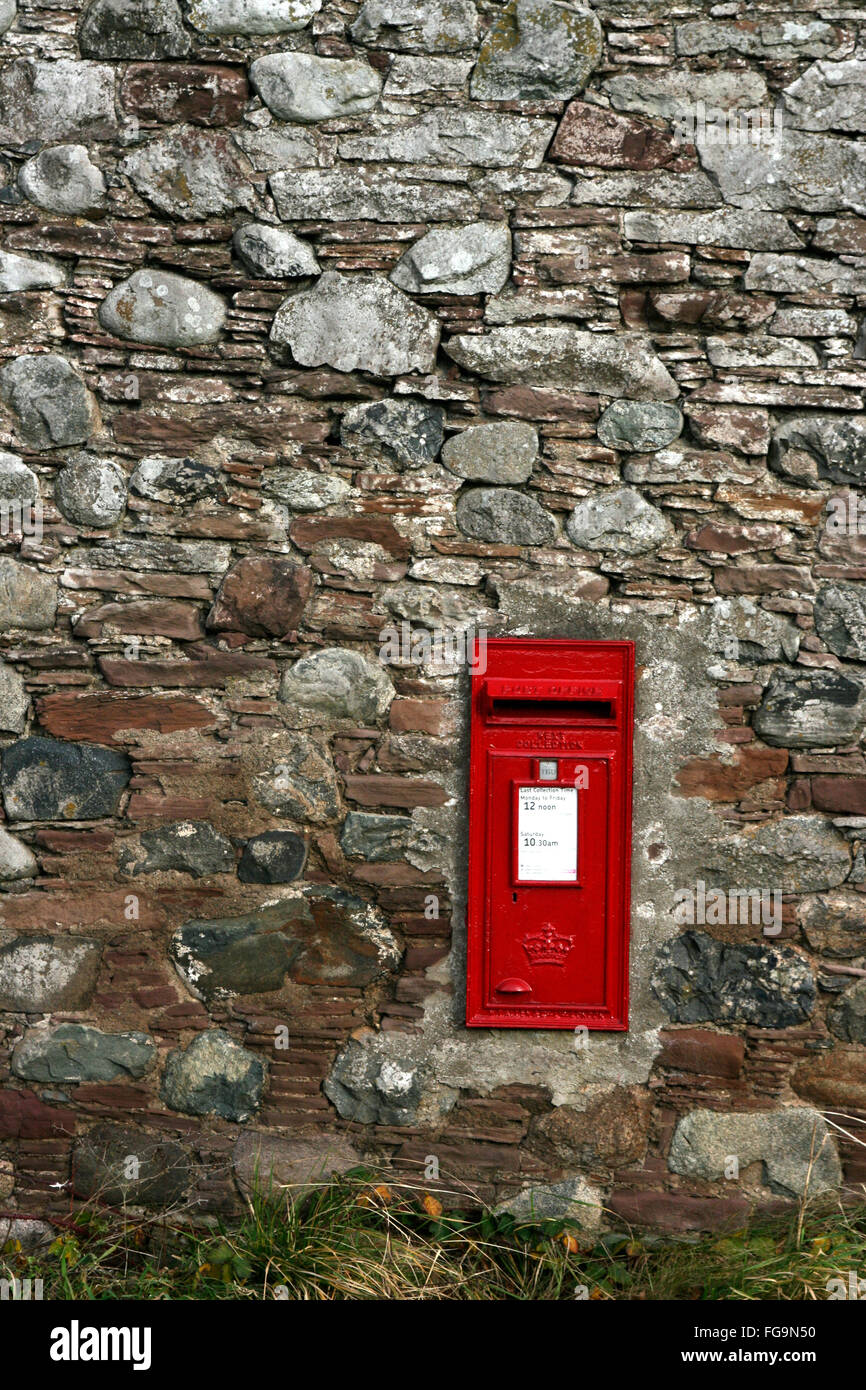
(333, 334)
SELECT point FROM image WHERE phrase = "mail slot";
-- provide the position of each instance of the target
(550, 834)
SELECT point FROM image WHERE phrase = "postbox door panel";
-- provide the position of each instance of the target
(546, 930)
(550, 835)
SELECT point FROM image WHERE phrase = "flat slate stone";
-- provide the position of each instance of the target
(52, 403)
(166, 310)
(351, 195)
(190, 847)
(47, 779)
(304, 87)
(74, 1052)
(622, 364)
(449, 135)
(357, 323)
(538, 51)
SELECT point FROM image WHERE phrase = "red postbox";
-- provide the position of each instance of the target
(550, 834)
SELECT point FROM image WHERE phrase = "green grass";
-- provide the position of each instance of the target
(351, 1239)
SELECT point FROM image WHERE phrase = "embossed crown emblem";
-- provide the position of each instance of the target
(547, 947)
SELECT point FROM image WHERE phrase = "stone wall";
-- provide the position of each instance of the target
(330, 324)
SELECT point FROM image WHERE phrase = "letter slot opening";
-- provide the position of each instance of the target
(503, 710)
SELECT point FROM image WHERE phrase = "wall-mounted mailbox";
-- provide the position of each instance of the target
(550, 834)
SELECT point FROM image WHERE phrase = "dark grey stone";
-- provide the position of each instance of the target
(105, 1159)
(74, 1052)
(640, 426)
(368, 1091)
(699, 979)
(499, 515)
(118, 29)
(848, 1019)
(214, 1076)
(840, 619)
(191, 847)
(302, 785)
(837, 444)
(376, 838)
(402, 434)
(810, 709)
(39, 974)
(53, 405)
(91, 491)
(174, 479)
(47, 779)
(316, 936)
(277, 856)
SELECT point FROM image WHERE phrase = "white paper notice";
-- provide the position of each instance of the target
(547, 834)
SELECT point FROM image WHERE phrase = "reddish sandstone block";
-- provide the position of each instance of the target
(377, 789)
(100, 715)
(205, 94)
(845, 795)
(718, 781)
(702, 1051)
(24, 1116)
(597, 136)
(417, 716)
(677, 1211)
